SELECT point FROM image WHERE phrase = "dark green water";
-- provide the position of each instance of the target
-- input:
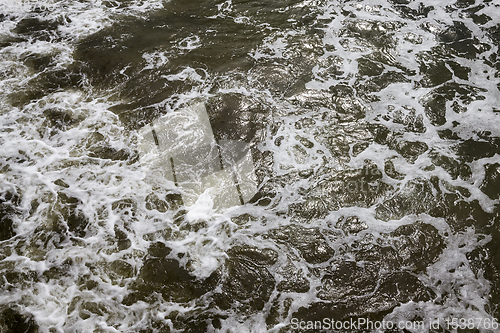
(372, 126)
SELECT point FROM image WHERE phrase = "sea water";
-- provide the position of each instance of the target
(372, 128)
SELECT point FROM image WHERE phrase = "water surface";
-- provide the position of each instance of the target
(373, 131)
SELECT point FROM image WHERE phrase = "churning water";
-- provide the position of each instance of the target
(373, 132)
